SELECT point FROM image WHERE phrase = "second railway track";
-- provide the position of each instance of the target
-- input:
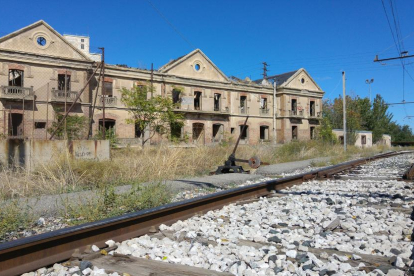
(31, 253)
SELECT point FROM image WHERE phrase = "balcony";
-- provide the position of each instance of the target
(264, 111)
(317, 115)
(186, 108)
(296, 113)
(243, 110)
(109, 101)
(17, 93)
(62, 96)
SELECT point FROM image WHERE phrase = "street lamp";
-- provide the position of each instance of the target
(369, 82)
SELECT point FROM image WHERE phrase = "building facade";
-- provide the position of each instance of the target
(43, 73)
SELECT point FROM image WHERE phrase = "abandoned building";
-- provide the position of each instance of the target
(43, 72)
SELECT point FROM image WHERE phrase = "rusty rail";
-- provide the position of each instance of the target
(28, 254)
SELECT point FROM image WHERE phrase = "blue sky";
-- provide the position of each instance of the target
(324, 37)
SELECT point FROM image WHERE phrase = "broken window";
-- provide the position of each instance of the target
(264, 133)
(197, 100)
(263, 103)
(243, 104)
(312, 109)
(40, 125)
(294, 132)
(294, 107)
(198, 133)
(232, 130)
(108, 90)
(109, 125)
(363, 139)
(62, 81)
(244, 132)
(312, 133)
(217, 97)
(16, 77)
(176, 96)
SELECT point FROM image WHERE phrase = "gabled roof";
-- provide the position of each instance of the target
(181, 59)
(285, 78)
(38, 23)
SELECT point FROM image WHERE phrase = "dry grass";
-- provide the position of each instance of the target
(133, 166)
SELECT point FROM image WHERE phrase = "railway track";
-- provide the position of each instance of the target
(31, 253)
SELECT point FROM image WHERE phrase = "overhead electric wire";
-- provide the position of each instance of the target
(171, 25)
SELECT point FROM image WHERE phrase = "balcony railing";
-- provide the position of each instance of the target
(243, 110)
(316, 115)
(17, 93)
(62, 96)
(109, 101)
(264, 111)
(296, 113)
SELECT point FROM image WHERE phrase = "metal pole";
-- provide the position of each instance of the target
(74, 102)
(47, 110)
(103, 96)
(274, 113)
(65, 91)
(344, 107)
(23, 119)
(33, 114)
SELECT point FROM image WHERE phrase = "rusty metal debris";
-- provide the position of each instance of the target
(230, 165)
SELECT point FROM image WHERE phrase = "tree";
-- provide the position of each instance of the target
(76, 127)
(151, 115)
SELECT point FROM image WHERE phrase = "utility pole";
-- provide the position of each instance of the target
(265, 70)
(152, 80)
(274, 113)
(344, 107)
(369, 82)
(103, 92)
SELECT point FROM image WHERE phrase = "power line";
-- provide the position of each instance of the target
(171, 25)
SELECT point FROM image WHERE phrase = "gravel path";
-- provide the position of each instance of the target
(346, 226)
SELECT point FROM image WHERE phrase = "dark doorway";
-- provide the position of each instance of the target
(294, 132)
(138, 131)
(16, 124)
(217, 132)
(198, 133)
(264, 133)
(176, 131)
(312, 133)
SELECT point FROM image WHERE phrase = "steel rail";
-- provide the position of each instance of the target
(31, 253)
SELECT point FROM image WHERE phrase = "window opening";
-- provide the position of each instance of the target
(363, 139)
(176, 96)
(61, 82)
(109, 125)
(217, 132)
(217, 97)
(198, 133)
(264, 132)
(175, 131)
(232, 130)
(244, 133)
(82, 46)
(40, 125)
(312, 108)
(243, 104)
(16, 77)
(294, 106)
(138, 131)
(41, 41)
(197, 100)
(263, 103)
(108, 90)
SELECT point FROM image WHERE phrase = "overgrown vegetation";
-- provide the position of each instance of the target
(76, 127)
(13, 217)
(362, 115)
(150, 114)
(106, 203)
